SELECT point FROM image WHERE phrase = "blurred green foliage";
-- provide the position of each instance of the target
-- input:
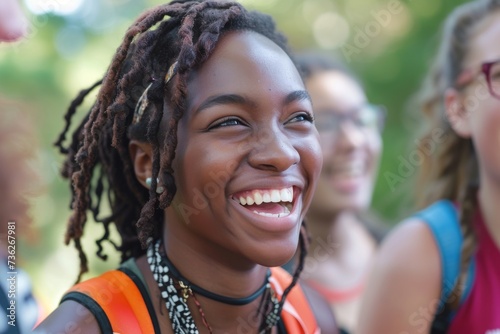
(64, 54)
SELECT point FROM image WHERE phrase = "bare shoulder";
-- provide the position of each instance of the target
(405, 283)
(412, 247)
(321, 309)
(69, 317)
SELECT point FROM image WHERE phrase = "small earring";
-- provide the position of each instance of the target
(159, 189)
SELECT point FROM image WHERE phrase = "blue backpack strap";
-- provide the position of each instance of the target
(442, 219)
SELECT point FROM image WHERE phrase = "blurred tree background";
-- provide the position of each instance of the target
(388, 43)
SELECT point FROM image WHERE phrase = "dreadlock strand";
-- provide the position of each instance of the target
(147, 213)
(298, 270)
(119, 125)
(77, 221)
(94, 208)
(266, 307)
(145, 224)
(142, 24)
(209, 38)
(69, 114)
(188, 52)
(83, 260)
(81, 178)
(105, 237)
(170, 143)
(87, 160)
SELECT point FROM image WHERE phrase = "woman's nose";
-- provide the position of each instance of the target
(350, 136)
(273, 150)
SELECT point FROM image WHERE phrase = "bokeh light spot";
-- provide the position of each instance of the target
(330, 30)
(58, 7)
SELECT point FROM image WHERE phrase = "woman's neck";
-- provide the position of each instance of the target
(222, 273)
(340, 250)
(213, 268)
(334, 230)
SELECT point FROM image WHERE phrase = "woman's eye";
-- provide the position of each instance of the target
(303, 117)
(225, 122)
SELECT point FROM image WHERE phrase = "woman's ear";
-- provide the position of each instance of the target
(142, 159)
(456, 113)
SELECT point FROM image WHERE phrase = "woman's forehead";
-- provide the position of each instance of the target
(247, 63)
(483, 44)
(334, 90)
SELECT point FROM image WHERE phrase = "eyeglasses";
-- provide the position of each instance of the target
(491, 71)
(366, 117)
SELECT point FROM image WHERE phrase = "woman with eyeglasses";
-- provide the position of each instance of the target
(342, 240)
(439, 271)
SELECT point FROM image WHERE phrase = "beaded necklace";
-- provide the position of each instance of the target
(178, 311)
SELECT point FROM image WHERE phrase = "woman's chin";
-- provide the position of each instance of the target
(355, 201)
(276, 258)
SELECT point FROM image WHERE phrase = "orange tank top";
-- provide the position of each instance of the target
(120, 303)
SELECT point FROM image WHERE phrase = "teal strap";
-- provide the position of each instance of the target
(442, 219)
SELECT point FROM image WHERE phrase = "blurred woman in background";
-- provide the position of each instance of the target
(18, 181)
(343, 240)
(19, 310)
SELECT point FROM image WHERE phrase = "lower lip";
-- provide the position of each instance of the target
(271, 224)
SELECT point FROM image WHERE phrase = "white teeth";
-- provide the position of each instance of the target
(250, 200)
(267, 196)
(258, 198)
(286, 195)
(275, 196)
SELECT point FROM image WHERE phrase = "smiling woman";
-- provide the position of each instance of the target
(208, 172)
(343, 237)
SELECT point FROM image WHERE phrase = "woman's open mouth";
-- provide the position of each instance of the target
(275, 203)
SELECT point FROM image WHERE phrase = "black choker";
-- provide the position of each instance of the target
(214, 296)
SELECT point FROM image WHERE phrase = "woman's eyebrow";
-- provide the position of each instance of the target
(298, 95)
(224, 99)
